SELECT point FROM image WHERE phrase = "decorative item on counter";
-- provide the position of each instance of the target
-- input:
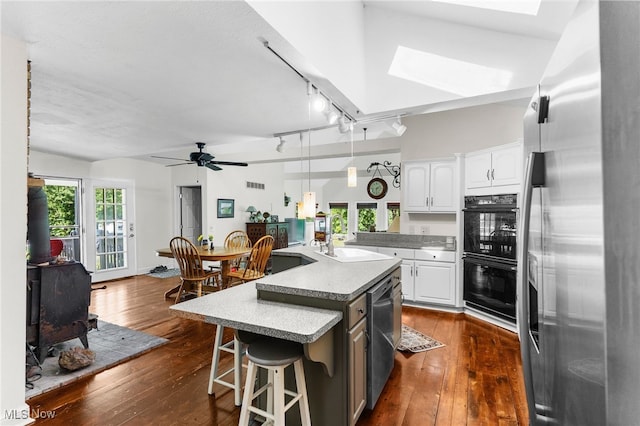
(274, 218)
(265, 216)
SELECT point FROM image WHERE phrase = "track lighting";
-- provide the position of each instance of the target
(331, 115)
(399, 127)
(343, 124)
(280, 146)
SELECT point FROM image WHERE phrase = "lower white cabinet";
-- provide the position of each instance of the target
(428, 276)
(434, 282)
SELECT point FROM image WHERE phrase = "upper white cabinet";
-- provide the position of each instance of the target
(429, 186)
(498, 169)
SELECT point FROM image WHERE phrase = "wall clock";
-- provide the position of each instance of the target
(377, 188)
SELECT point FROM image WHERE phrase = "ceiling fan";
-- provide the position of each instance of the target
(202, 159)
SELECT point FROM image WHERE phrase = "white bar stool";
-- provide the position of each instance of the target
(275, 355)
(236, 348)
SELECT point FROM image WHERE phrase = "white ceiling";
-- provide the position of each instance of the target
(134, 79)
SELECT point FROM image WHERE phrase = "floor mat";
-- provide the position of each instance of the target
(414, 341)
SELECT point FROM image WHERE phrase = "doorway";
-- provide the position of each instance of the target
(111, 244)
(190, 207)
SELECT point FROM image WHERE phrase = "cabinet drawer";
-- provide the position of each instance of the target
(397, 252)
(435, 255)
(357, 310)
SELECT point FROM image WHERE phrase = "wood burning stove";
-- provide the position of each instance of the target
(58, 299)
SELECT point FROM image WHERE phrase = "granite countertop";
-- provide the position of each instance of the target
(239, 308)
(407, 241)
(325, 277)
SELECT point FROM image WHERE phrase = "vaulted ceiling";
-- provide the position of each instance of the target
(135, 79)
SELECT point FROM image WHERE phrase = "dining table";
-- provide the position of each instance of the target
(207, 254)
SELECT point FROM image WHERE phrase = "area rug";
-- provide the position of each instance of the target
(112, 344)
(166, 274)
(414, 341)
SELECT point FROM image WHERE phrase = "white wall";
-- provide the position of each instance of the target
(231, 183)
(13, 231)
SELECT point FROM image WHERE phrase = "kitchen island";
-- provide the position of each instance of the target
(314, 300)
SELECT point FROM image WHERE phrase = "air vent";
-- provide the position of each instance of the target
(255, 185)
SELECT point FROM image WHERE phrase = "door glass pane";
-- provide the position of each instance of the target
(111, 245)
(63, 200)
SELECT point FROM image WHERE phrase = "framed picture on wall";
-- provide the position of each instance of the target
(225, 207)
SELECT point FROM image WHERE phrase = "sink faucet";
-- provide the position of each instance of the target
(330, 251)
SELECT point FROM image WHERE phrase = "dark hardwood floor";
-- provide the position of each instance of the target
(475, 379)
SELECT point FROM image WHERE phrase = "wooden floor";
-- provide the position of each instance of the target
(475, 379)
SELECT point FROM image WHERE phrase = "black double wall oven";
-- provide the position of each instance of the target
(490, 254)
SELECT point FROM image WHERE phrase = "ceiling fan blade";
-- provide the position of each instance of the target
(228, 163)
(213, 167)
(180, 164)
(169, 158)
(206, 156)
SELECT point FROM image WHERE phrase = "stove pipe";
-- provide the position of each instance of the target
(38, 226)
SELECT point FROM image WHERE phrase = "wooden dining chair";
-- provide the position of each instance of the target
(193, 276)
(256, 264)
(238, 240)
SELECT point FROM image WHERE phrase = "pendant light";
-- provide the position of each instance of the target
(309, 198)
(300, 204)
(352, 171)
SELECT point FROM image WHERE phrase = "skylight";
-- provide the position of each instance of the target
(525, 7)
(451, 75)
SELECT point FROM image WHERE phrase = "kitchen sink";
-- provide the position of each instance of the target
(344, 254)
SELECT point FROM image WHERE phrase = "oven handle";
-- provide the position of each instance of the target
(491, 263)
(533, 177)
(489, 209)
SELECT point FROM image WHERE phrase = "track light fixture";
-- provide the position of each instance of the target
(399, 127)
(280, 146)
(343, 124)
(332, 116)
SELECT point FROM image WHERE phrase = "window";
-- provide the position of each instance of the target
(393, 211)
(367, 216)
(341, 210)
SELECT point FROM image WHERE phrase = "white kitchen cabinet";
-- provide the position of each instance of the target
(434, 282)
(427, 275)
(493, 169)
(429, 186)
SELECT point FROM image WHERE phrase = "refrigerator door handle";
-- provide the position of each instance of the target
(533, 177)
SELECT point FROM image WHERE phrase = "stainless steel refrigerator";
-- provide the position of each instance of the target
(579, 279)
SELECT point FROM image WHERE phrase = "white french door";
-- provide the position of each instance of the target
(111, 230)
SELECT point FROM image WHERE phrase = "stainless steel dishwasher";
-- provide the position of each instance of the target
(381, 350)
